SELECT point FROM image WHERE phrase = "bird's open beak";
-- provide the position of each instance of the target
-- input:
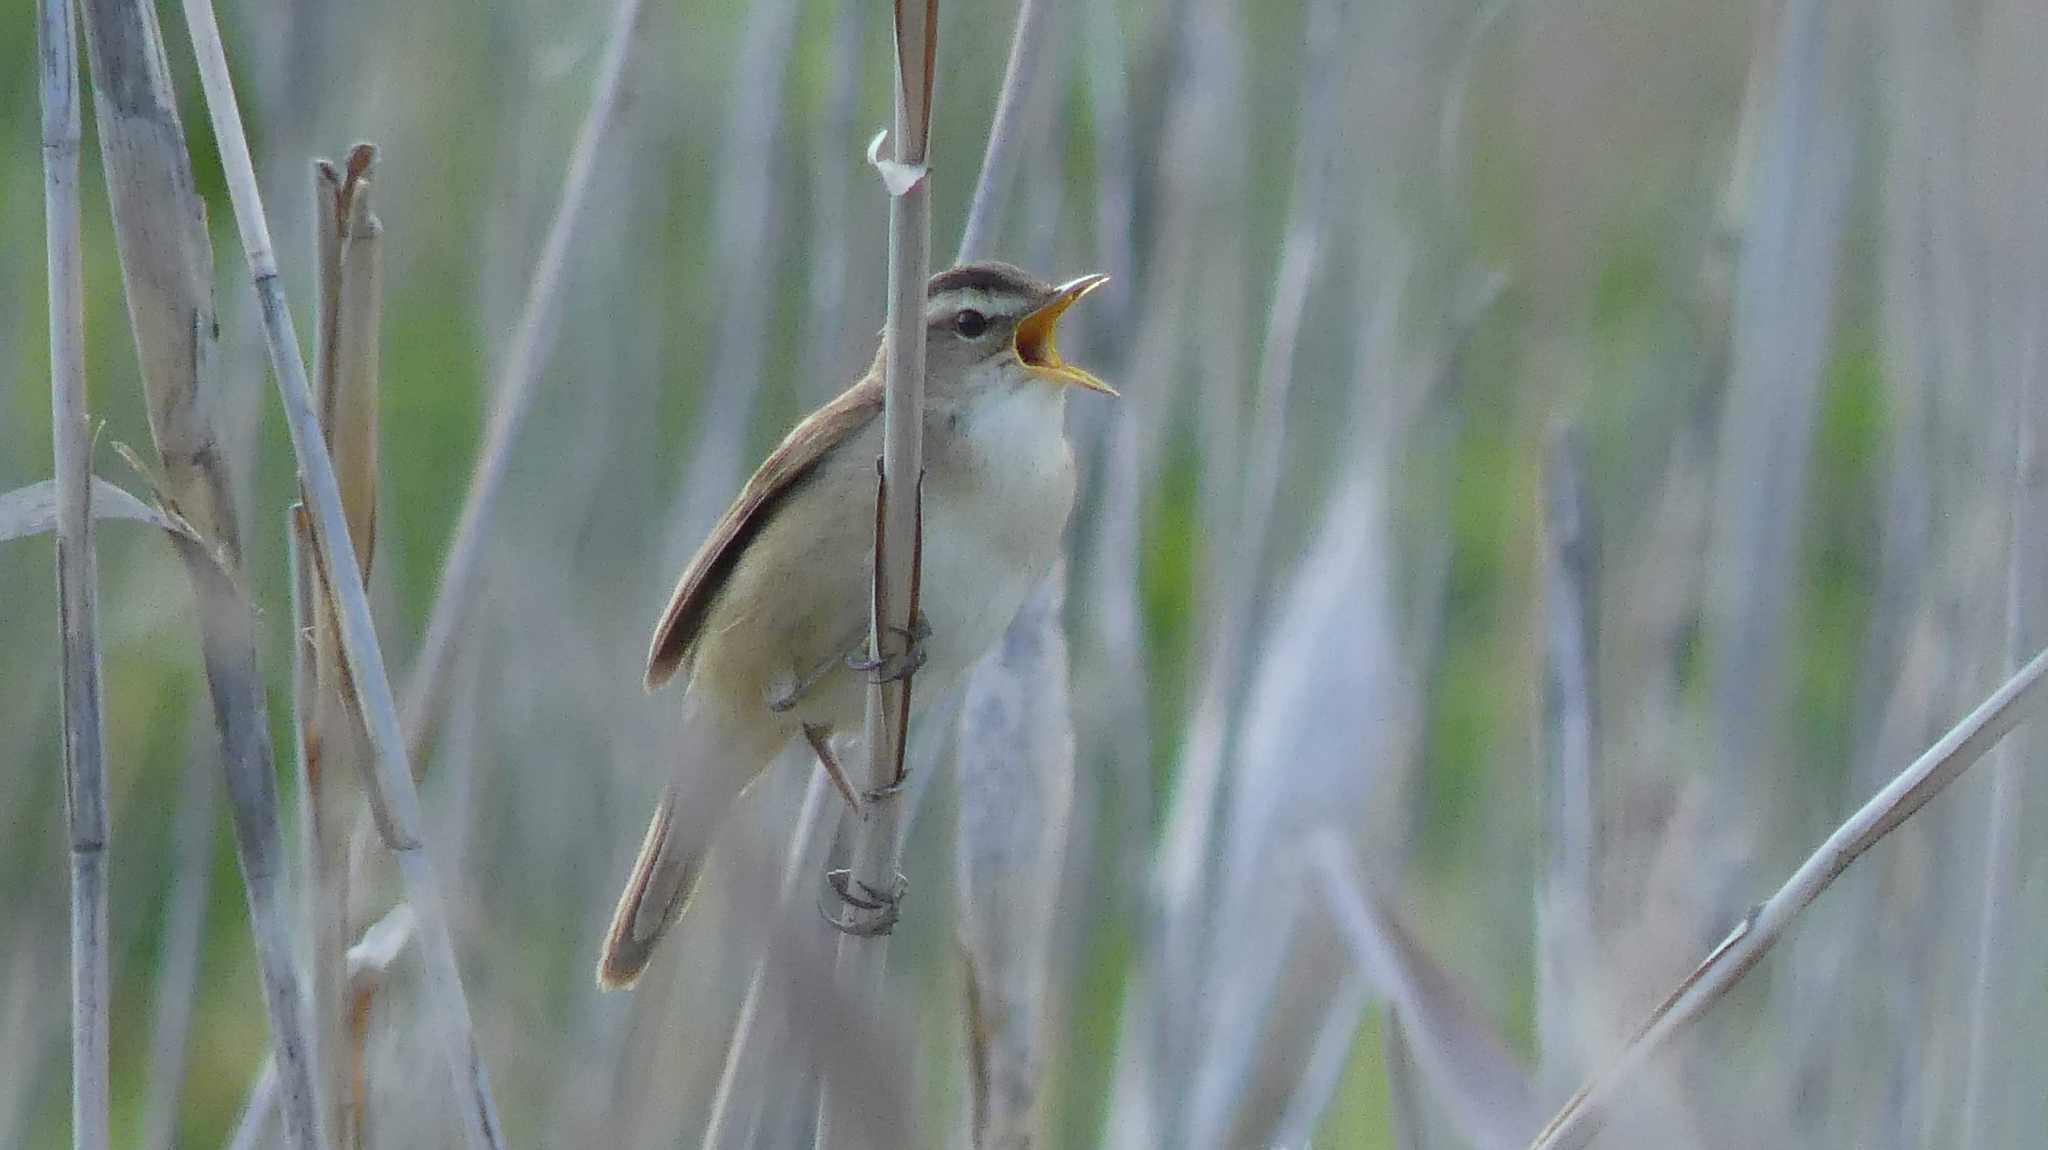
(1035, 337)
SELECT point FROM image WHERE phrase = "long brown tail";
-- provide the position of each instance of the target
(664, 876)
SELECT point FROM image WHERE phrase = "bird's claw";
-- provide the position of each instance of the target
(887, 792)
(896, 668)
(883, 905)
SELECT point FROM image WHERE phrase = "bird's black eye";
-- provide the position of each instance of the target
(970, 323)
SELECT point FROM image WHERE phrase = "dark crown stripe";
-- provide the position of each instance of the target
(989, 276)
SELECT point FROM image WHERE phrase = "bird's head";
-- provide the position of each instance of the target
(989, 323)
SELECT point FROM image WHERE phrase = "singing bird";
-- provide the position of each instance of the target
(769, 622)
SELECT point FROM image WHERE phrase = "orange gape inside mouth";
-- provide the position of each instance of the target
(1035, 345)
(1035, 340)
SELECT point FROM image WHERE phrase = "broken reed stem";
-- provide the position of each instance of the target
(1965, 743)
(876, 846)
(85, 779)
(513, 391)
(393, 792)
(167, 275)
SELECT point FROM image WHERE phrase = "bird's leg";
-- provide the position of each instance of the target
(883, 904)
(788, 698)
(895, 668)
(820, 739)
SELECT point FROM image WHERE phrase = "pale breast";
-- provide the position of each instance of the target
(998, 490)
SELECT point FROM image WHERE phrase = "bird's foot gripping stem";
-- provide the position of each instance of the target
(870, 912)
(897, 667)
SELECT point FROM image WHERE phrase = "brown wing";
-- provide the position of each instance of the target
(675, 637)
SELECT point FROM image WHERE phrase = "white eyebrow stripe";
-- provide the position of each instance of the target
(953, 301)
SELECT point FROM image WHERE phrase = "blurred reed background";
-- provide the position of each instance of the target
(1572, 453)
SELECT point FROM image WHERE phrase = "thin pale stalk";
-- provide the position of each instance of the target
(1406, 1113)
(826, 339)
(1783, 310)
(2026, 620)
(167, 272)
(1323, 712)
(727, 1127)
(1457, 1054)
(85, 781)
(744, 219)
(252, 1130)
(823, 342)
(177, 983)
(392, 786)
(25, 1027)
(1709, 983)
(1181, 948)
(1565, 904)
(1113, 595)
(876, 854)
(1016, 771)
(1016, 734)
(2013, 155)
(331, 791)
(513, 389)
(298, 543)
(348, 246)
(1325, 1069)
(999, 162)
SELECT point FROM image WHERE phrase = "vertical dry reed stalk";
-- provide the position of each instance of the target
(877, 849)
(348, 253)
(394, 796)
(167, 271)
(85, 772)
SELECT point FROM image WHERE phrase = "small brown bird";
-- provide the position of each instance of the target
(770, 620)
